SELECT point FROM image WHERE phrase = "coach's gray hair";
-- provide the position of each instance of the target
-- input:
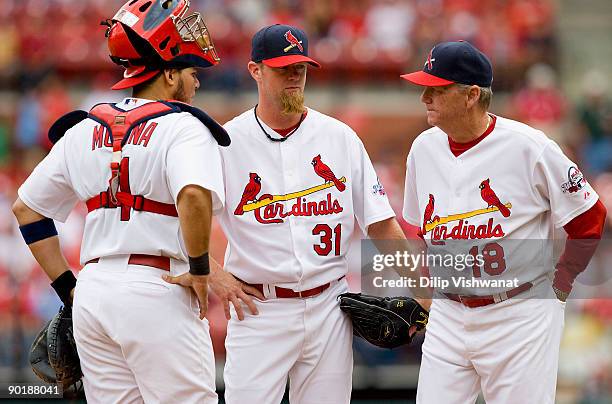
(486, 94)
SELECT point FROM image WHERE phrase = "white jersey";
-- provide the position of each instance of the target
(291, 206)
(169, 153)
(500, 199)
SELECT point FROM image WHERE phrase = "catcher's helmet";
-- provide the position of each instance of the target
(145, 36)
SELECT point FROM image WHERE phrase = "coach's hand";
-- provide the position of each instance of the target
(197, 283)
(228, 288)
(560, 294)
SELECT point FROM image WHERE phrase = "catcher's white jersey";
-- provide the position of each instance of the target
(169, 153)
(500, 199)
(291, 206)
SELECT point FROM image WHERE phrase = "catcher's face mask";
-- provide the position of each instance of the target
(193, 29)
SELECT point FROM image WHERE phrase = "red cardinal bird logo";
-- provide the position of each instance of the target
(250, 192)
(326, 173)
(293, 42)
(429, 210)
(489, 196)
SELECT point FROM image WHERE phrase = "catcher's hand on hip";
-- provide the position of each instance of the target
(229, 289)
(197, 283)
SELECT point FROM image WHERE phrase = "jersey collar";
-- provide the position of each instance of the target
(130, 103)
(271, 133)
(459, 148)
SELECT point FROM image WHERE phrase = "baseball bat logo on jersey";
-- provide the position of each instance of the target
(575, 181)
(463, 230)
(269, 209)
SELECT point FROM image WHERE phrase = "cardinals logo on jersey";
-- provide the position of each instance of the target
(293, 42)
(464, 229)
(270, 209)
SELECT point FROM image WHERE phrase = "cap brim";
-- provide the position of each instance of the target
(425, 79)
(283, 61)
(134, 81)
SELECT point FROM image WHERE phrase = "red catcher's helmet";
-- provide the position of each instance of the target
(146, 36)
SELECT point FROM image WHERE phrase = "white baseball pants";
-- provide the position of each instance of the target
(307, 340)
(139, 338)
(509, 350)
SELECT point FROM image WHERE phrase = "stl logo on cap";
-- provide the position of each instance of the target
(430, 60)
(293, 41)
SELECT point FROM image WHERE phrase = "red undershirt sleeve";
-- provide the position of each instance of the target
(583, 235)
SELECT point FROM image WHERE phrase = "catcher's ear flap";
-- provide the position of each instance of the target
(65, 122)
(39, 357)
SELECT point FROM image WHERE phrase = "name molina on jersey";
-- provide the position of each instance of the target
(139, 136)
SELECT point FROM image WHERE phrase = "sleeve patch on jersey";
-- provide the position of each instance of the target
(575, 181)
(378, 189)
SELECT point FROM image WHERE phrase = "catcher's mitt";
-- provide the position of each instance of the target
(383, 321)
(53, 354)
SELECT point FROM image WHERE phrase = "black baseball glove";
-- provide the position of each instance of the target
(53, 354)
(383, 321)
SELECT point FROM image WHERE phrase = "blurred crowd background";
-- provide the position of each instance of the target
(552, 68)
